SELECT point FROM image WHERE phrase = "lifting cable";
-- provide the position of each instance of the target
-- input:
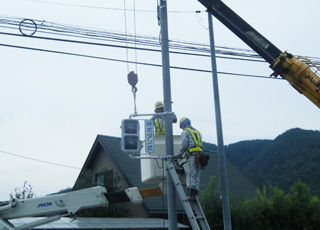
(126, 33)
(132, 77)
(135, 34)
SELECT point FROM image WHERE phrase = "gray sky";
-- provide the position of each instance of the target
(53, 105)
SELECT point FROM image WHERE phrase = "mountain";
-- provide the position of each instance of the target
(292, 156)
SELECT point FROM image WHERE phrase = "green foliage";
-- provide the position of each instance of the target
(292, 156)
(270, 209)
(25, 192)
(111, 183)
(212, 205)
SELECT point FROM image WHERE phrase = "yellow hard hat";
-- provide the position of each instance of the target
(159, 104)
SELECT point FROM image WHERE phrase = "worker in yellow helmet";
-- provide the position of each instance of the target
(191, 145)
(158, 119)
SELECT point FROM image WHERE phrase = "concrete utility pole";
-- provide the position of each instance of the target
(172, 212)
(222, 160)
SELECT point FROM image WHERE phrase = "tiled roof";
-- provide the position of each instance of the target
(98, 223)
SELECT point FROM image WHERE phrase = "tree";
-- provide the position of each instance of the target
(292, 156)
(25, 192)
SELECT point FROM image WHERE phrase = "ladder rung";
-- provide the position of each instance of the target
(199, 217)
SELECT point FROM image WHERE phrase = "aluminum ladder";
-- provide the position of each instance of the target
(192, 208)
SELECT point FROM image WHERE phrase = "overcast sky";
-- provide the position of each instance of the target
(54, 105)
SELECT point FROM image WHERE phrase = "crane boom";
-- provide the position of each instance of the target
(296, 70)
(55, 206)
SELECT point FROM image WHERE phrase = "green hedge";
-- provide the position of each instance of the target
(271, 209)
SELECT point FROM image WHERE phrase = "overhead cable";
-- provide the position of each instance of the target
(118, 37)
(131, 62)
(144, 42)
(33, 159)
(113, 9)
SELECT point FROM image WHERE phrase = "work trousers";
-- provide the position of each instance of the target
(193, 174)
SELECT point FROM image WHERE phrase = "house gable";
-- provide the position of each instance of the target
(106, 152)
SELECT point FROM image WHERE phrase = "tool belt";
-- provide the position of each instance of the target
(196, 157)
(200, 159)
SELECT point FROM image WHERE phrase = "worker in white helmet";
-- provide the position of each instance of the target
(191, 145)
(158, 119)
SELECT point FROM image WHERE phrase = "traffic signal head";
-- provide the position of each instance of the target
(130, 139)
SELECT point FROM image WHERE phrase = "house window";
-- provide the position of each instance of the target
(104, 178)
(99, 179)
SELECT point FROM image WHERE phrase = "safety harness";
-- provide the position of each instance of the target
(159, 130)
(197, 140)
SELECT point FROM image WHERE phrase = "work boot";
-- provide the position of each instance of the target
(192, 194)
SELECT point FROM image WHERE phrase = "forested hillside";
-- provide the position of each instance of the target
(292, 156)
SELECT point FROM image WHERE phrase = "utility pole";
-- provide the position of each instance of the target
(172, 212)
(222, 160)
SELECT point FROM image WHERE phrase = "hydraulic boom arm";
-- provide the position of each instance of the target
(54, 206)
(291, 68)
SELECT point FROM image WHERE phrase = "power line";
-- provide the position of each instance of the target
(177, 47)
(118, 37)
(86, 6)
(111, 8)
(132, 62)
(126, 47)
(41, 161)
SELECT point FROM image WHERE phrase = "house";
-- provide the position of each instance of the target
(106, 153)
